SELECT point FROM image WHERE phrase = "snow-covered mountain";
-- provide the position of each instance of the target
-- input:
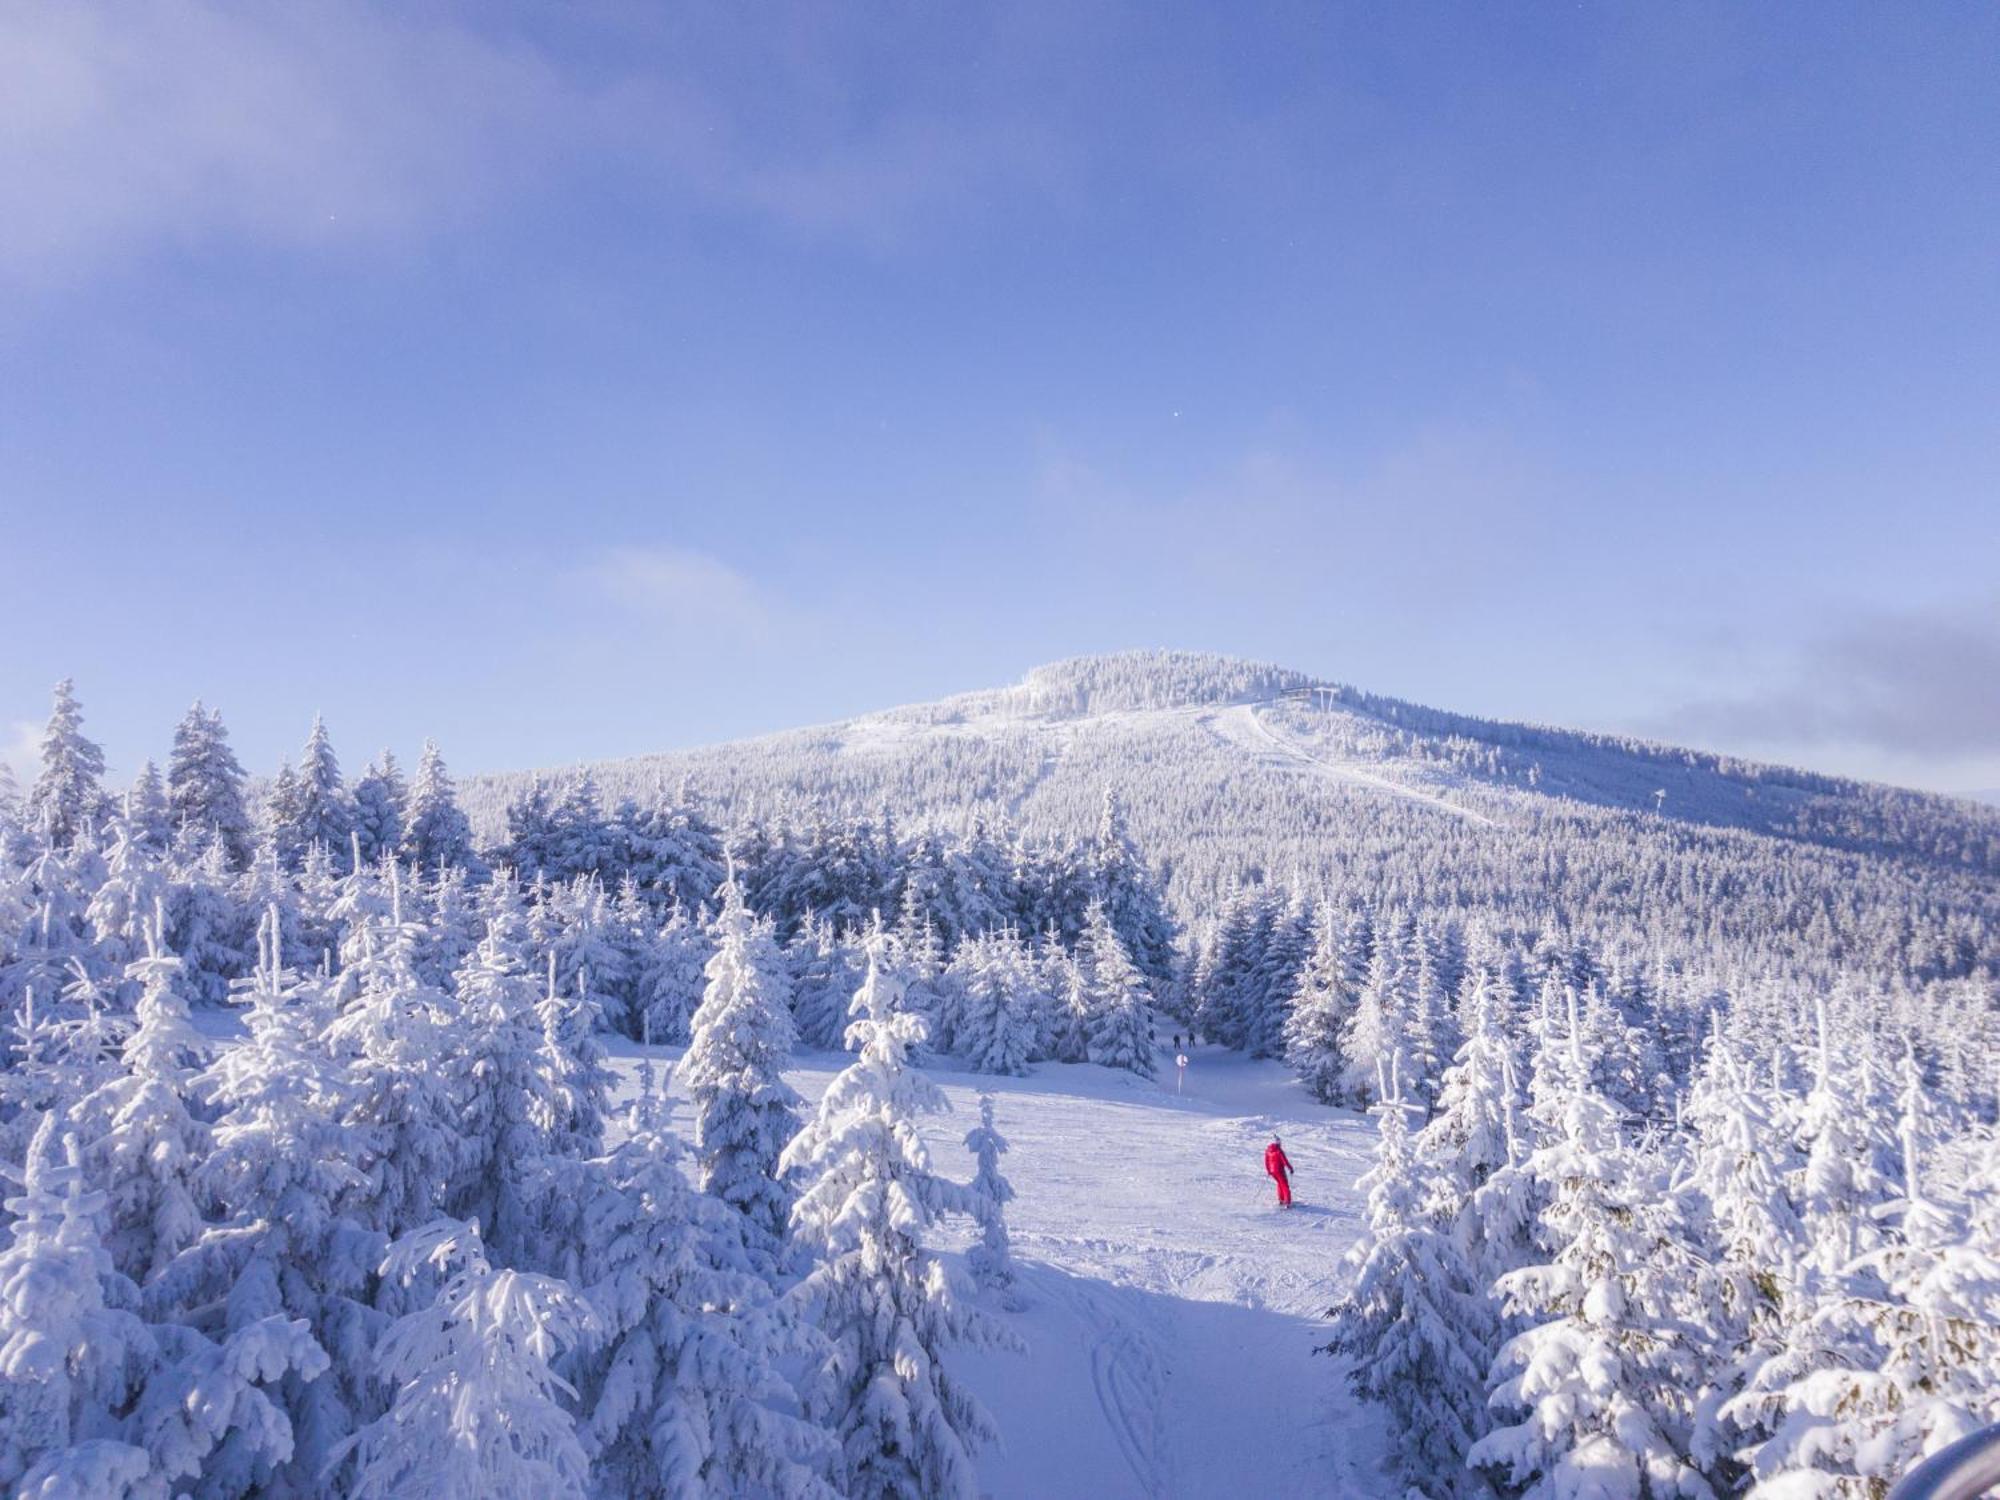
(1041, 752)
(1233, 770)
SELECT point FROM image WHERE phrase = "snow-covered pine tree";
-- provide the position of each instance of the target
(321, 814)
(1322, 1004)
(68, 792)
(744, 1111)
(144, 1140)
(73, 1356)
(572, 1063)
(1118, 1019)
(205, 786)
(121, 909)
(146, 811)
(380, 800)
(479, 1411)
(1279, 966)
(991, 1260)
(403, 1042)
(994, 1026)
(436, 833)
(281, 816)
(506, 1112)
(671, 980)
(889, 1307)
(1416, 1326)
(1120, 879)
(1904, 1350)
(919, 959)
(1751, 1237)
(823, 981)
(1602, 1385)
(684, 1396)
(1430, 1033)
(283, 1249)
(1471, 1152)
(1841, 1184)
(1374, 1036)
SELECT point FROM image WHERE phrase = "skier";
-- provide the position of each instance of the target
(1279, 1166)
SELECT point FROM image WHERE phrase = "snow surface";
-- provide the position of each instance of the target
(1171, 1311)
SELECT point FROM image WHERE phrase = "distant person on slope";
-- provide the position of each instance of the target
(1279, 1166)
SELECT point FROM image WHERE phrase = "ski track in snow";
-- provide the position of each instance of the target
(1240, 725)
(1171, 1311)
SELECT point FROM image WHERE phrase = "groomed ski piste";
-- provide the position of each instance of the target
(1170, 1309)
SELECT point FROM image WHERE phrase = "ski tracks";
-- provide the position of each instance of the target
(1245, 716)
(1128, 1375)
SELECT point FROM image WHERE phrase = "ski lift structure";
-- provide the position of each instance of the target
(1317, 696)
(1966, 1470)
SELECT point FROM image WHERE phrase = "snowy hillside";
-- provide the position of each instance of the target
(1170, 1312)
(1014, 753)
(1233, 771)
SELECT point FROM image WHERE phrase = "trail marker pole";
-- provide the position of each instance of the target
(1180, 1075)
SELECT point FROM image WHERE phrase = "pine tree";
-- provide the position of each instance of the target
(1905, 1348)
(148, 1145)
(322, 815)
(380, 797)
(133, 892)
(1602, 1384)
(436, 833)
(744, 1111)
(1753, 1239)
(994, 1022)
(991, 1261)
(572, 1063)
(685, 1396)
(205, 786)
(1322, 1004)
(1133, 905)
(72, 1356)
(672, 979)
(1117, 1008)
(402, 1041)
(888, 1307)
(1472, 1153)
(478, 1412)
(823, 981)
(280, 1168)
(1373, 1039)
(282, 803)
(507, 1110)
(1415, 1326)
(67, 793)
(147, 813)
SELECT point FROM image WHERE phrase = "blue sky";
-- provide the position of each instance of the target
(572, 381)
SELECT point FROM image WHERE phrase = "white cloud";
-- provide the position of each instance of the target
(181, 123)
(688, 589)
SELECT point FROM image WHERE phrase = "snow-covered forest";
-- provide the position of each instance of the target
(1682, 1075)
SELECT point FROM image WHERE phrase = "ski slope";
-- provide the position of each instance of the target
(1242, 726)
(1170, 1310)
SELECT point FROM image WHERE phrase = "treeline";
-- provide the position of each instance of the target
(391, 1234)
(1791, 1289)
(1347, 994)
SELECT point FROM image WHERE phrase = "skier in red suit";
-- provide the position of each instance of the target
(1279, 1166)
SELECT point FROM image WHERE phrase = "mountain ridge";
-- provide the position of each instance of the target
(1421, 741)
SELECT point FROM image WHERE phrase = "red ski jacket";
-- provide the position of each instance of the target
(1275, 1160)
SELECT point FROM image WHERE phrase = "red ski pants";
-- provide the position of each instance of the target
(1284, 1189)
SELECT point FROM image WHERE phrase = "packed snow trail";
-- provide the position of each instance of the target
(1241, 725)
(1171, 1310)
